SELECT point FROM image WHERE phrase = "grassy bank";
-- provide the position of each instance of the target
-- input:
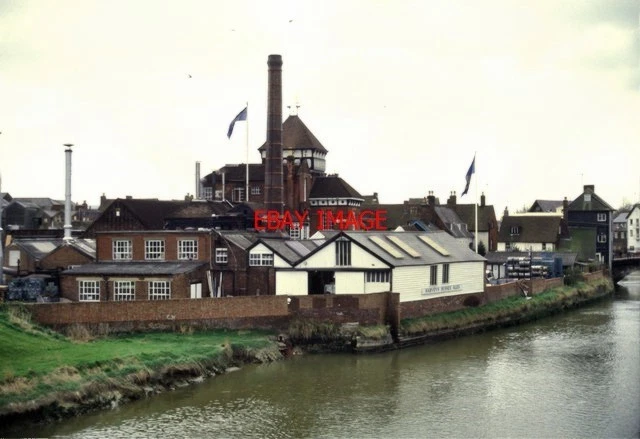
(550, 301)
(45, 372)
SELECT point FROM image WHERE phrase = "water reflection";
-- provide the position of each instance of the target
(571, 375)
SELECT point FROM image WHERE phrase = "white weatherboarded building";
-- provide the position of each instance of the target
(418, 265)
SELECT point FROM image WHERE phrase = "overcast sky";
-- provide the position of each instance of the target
(401, 93)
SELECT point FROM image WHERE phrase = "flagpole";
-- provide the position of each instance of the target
(476, 202)
(247, 167)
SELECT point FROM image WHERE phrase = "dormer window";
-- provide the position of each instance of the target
(515, 230)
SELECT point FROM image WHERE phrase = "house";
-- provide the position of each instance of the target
(417, 265)
(590, 219)
(152, 214)
(548, 206)
(487, 232)
(229, 266)
(620, 233)
(143, 265)
(633, 229)
(535, 232)
(48, 255)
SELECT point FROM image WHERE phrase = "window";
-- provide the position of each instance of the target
(378, 276)
(238, 194)
(206, 193)
(630, 232)
(615, 235)
(343, 253)
(122, 250)
(255, 190)
(222, 255)
(124, 290)
(294, 231)
(89, 291)
(187, 249)
(154, 249)
(434, 275)
(602, 217)
(515, 230)
(260, 259)
(445, 273)
(622, 235)
(602, 238)
(159, 290)
(544, 246)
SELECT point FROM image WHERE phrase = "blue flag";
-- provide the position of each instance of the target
(241, 116)
(470, 172)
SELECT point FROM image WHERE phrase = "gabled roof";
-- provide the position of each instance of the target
(545, 205)
(238, 238)
(236, 172)
(594, 204)
(135, 268)
(151, 212)
(332, 186)
(288, 249)
(621, 217)
(201, 209)
(41, 202)
(466, 212)
(453, 222)
(39, 248)
(531, 228)
(296, 135)
(415, 242)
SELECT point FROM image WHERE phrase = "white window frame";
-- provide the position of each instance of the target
(124, 290)
(343, 253)
(260, 259)
(88, 290)
(602, 217)
(515, 230)
(159, 289)
(122, 249)
(238, 195)
(255, 190)
(187, 249)
(222, 255)
(445, 273)
(154, 249)
(602, 238)
(378, 276)
(294, 231)
(206, 193)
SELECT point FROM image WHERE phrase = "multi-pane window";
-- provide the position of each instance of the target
(514, 230)
(434, 275)
(602, 217)
(260, 259)
(222, 255)
(602, 238)
(206, 193)
(187, 249)
(122, 250)
(255, 190)
(445, 273)
(124, 290)
(238, 194)
(294, 231)
(89, 291)
(343, 253)
(154, 249)
(159, 290)
(378, 276)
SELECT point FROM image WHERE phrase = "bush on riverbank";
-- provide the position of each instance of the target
(43, 371)
(512, 307)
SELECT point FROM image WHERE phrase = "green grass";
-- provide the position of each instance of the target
(509, 307)
(35, 361)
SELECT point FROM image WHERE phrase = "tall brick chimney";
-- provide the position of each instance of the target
(273, 178)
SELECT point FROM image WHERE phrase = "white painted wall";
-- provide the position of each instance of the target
(326, 258)
(376, 287)
(349, 282)
(278, 262)
(292, 283)
(633, 230)
(410, 281)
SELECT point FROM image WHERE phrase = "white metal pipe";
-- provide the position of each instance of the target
(67, 192)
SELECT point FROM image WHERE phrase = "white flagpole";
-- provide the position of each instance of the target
(476, 201)
(247, 167)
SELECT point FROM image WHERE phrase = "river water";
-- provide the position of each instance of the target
(571, 375)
